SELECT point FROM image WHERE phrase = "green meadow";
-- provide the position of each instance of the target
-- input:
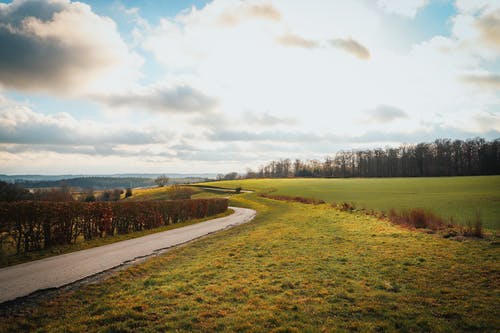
(294, 268)
(449, 197)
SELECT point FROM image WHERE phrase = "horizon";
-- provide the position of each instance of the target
(206, 87)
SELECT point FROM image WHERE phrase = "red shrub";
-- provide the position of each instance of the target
(35, 225)
(303, 200)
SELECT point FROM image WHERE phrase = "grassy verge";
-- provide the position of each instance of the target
(295, 268)
(14, 259)
(459, 198)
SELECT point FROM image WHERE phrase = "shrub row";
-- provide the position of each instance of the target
(303, 200)
(36, 225)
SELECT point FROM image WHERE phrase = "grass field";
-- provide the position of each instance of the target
(457, 197)
(162, 193)
(295, 268)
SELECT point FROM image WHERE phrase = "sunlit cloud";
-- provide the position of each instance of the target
(351, 46)
(485, 81)
(61, 47)
(291, 40)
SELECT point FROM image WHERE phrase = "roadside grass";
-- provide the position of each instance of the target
(459, 198)
(295, 268)
(14, 259)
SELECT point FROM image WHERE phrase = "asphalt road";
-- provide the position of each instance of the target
(54, 272)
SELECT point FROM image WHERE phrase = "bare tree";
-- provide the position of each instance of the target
(162, 180)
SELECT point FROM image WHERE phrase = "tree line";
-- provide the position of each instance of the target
(443, 157)
(98, 183)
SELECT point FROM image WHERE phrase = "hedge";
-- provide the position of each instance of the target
(36, 225)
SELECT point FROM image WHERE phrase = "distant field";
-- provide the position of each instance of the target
(457, 197)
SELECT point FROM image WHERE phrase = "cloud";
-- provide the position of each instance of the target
(21, 125)
(59, 47)
(292, 40)
(476, 29)
(245, 10)
(276, 136)
(434, 132)
(406, 8)
(385, 114)
(266, 119)
(166, 99)
(489, 26)
(491, 81)
(351, 46)
(487, 122)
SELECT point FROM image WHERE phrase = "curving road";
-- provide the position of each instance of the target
(54, 272)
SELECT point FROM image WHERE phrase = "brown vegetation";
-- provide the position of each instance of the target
(35, 225)
(303, 200)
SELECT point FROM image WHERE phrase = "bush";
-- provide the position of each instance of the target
(293, 199)
(35, 225)
(128, 192)
(417, 218)
(346, 207)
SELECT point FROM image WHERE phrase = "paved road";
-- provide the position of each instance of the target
(53, 272)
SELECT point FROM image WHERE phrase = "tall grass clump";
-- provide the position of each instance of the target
(419, 218)
(475, 227)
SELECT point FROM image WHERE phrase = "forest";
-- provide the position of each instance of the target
(443, 157)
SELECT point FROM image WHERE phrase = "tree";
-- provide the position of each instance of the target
(89, 196)
(231, 176)
(14, 192)
(111, 195)
(162, 180)
(443, 157)
(62, 194)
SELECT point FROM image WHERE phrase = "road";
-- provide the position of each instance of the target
(54, 272)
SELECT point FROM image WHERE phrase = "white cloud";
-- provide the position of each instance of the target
(167, 99)
(61, 47)
(21, 125)
(407, 8)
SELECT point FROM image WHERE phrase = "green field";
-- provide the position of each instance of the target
(456, 197)
(295, 268)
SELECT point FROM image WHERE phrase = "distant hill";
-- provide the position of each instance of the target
(98, 182)
(18, 178)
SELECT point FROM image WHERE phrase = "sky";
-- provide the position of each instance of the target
(185, 86)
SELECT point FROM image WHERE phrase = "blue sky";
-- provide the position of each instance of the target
(216, 86)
